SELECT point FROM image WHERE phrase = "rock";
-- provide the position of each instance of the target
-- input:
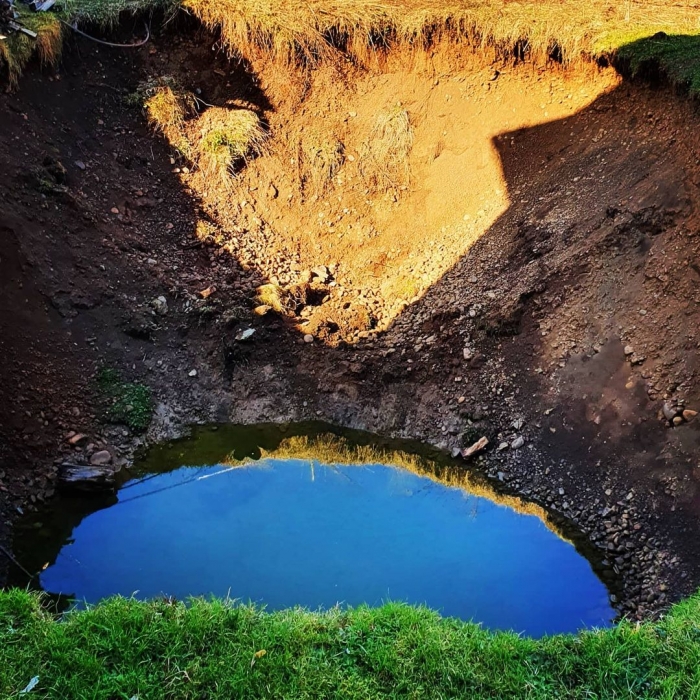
(160, 305)
(629, 350)
(456, 452)
(245, 334)
(677, 420)
(192, 373)
(89, 479)
(77, 439)
(688, 415)
(308, 338)
(262, 309)
(478, 446)
(101, 458)
(321, 273)
(517, 443)
(503, 446)
(669, 411)
(79, 164)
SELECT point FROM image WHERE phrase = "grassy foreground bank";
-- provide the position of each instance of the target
(128, 649)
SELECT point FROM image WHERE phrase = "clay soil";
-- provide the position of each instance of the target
(534, 280)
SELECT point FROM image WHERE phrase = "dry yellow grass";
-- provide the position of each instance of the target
(384, 156)
(320, 158)
(286, 28)
(228, 137)
(167, 106)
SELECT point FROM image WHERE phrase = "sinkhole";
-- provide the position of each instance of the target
(308, 515)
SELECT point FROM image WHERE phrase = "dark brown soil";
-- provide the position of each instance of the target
(578, 309)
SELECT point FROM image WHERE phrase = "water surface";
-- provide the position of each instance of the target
(286, 532)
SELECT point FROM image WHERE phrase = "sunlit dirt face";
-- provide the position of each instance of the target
(387, 227)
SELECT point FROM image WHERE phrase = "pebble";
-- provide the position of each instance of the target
(668, 411)
(517, 443)
(193, 373)
(629, 350)
(688, 414)
(160, 305)
(101, 458)
(308, 338)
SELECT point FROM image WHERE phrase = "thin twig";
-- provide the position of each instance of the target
(14, 561)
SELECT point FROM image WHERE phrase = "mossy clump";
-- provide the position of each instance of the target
(130, 403)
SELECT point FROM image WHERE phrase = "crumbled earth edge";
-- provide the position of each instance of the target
(577, 335)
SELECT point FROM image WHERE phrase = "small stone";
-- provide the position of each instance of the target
(160, 305)
(245, 334)
(101, 458)
(114, 210)
(500, 476)
(79, 164)
(322, 273)
(668, 410)
(467, 354)
(629, 350)
(478, 446)
(677, 420)
(261, 310)
(517, 443)
(77, 439)
(308, 338)
(192, 373)
(561, 492)
(503, 446)
(688, 415)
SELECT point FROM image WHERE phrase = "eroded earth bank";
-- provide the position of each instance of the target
(520, 263)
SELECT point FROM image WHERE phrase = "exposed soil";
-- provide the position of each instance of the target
(534, 280)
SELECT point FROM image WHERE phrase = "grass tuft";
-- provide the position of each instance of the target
(321, 157)
(384, 157)
(228, 138)
(167, 105)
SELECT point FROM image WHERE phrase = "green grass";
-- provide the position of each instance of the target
(157, 650)
(674, 58)
(130, 403)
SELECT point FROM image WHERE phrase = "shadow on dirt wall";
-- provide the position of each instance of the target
(587, 284)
